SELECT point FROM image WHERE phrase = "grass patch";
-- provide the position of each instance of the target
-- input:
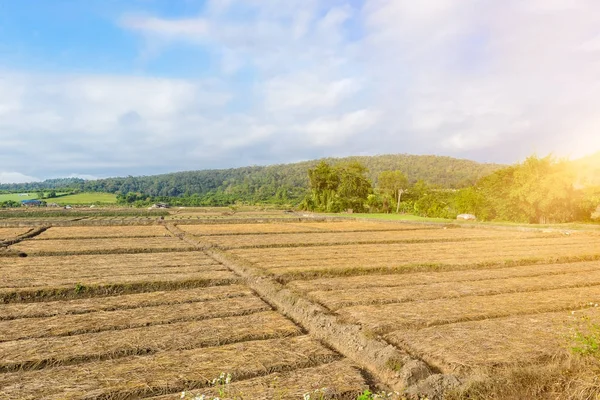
(84, 198)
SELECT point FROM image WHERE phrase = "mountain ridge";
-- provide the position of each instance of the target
(442, 171)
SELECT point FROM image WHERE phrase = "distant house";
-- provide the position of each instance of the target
(31, 203)
(160, 205)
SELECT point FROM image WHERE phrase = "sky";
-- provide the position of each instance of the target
(101, 88)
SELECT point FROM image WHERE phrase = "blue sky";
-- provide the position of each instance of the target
(102, 88)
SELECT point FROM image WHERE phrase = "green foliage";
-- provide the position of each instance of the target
(80, 288)
(586, 342)
(539, 190)
(283, 184)
(337, 188)
(390, 182)
(9, 204)
(368, 395)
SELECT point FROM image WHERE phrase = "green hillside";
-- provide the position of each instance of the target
(279, 183)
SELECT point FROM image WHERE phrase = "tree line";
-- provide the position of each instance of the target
(277, 184)
(538, 190)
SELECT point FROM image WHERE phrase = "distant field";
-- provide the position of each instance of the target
(85, 198)
(16, 197)
(80, 198)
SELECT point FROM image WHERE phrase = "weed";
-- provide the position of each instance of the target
(368, 395)
(221, 384)
(586, 342)
(80, 288)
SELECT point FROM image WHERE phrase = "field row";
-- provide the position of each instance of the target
(37, 353)
(88, 232)
(100, 246)
(515, 340)
(336, 299)
(333, 238)
(331, 261)
(98, 269)
(122, 302)
(368, 282)
(169, 371)
(9, 233)
(296, 227)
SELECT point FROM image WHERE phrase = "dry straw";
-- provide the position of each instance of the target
(86, 232)
(65, 325)
(40, 353)
(120, 302)
(386, 318)
(73, 288)
(165, 372)
(420, 278)
(388, 295)
(355, 238)
(497, 343)
(100, 246)
(339, 379)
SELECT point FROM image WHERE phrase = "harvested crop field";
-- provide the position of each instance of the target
(86, 232)
(356, 238)
(294, 227)
(99, 246)
(8, 233)
(135, 312)
(287, 308)
(466, 302)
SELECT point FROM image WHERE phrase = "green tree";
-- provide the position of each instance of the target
(543, 188)
(393, 184)
(336, 188)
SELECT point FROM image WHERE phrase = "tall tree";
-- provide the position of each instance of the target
(336, 188)
(393, 184)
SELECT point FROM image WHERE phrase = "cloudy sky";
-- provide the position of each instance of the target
(101, 88)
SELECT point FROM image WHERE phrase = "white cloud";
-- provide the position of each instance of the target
(304, 78)
(185, 29)
(332, 131)
(306, 92)
(16, 177)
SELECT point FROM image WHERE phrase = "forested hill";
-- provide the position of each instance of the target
(258, 183)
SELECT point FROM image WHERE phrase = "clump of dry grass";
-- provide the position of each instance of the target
(40, 353)
(66, 325)
(165, 372)
(339, 379)
(100, 246)
(87, 232)
(120, 302)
